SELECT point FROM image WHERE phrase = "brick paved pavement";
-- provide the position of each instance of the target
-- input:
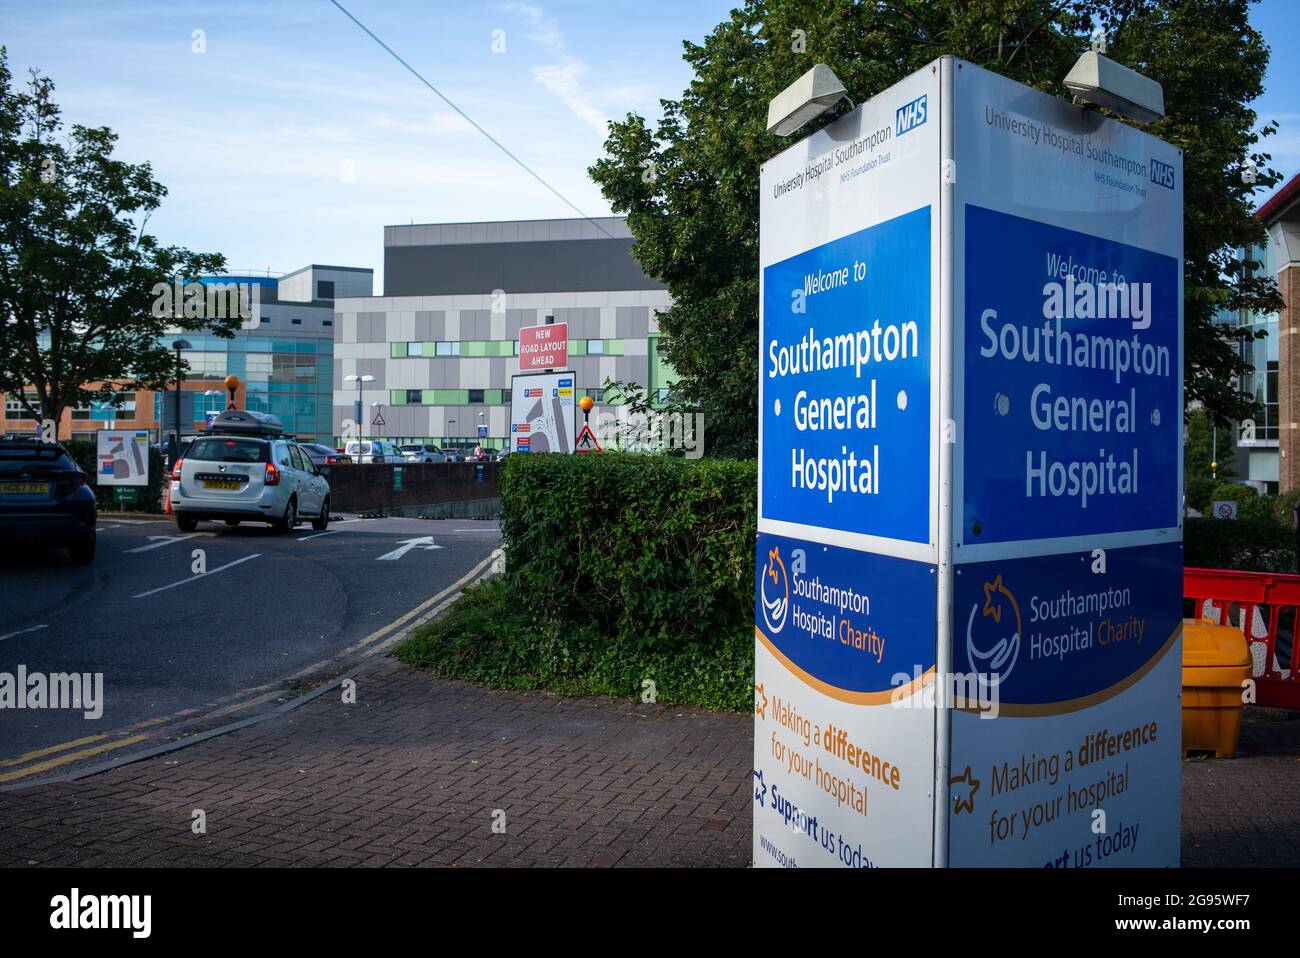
(412, 773)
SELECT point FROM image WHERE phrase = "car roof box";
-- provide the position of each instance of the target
(245, 422)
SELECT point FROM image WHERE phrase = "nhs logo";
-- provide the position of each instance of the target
(909, 116)
(1162, 174)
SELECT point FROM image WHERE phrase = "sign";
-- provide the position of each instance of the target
(587, 440)
(1224, 509)
(397, 479)
(379, 418)
(969, 569)
(543, 347)
(845, 632)
(482, 431)
(542, 412)
(122, 457)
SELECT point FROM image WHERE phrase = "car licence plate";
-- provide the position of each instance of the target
(25, 488)
(220, 484)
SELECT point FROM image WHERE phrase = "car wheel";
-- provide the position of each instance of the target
(290, 519)
(185, 523)
(83, 552)
(323, 520)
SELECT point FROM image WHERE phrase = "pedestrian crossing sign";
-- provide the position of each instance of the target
(586, 441)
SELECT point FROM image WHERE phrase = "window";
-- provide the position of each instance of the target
(98, 410)
(296, 322)
(415, 396)
(448, 349)
(415, 349)
(265, 320)
(14, 408)
(324, 289)
(595, 347)
(327, 322)
(516, 347)
(597, 395)
(476, 395)
(227, 450)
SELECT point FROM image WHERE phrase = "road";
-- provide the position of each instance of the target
(181, 651)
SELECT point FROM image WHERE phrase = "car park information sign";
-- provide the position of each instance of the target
(542, 412)
(122, 457)
(968, 569)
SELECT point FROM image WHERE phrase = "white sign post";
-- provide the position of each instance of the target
(969, 565)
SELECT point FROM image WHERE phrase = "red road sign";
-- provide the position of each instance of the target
(543, 347)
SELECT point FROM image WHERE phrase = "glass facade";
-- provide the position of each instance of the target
(1261, 355)
(290, 378)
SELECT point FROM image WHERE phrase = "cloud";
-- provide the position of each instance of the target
(564, 76)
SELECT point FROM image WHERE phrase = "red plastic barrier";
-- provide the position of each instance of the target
(1269, 604)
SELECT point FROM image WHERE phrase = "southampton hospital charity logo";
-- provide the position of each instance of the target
(774, 583)
(994, 646)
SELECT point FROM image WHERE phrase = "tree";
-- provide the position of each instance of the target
(77, 269)
(1200, 450)
(690, 186)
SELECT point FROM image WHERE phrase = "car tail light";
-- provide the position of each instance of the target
(272, 475)
(176, 470)
(331, 460)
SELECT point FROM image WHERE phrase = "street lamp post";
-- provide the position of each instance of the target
(359, 380)
(178, 345)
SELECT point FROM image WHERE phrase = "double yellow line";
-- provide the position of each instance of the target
(59, 755)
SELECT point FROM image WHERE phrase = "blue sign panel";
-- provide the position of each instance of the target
(855, 621)
(1051, 629)
(1071, 383)
(846, 373)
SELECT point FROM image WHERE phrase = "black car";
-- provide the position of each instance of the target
(323, 455)
(45, 499)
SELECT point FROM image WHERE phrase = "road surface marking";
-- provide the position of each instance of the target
(70, 757)
(193, 578)
(34, 628)
(166, 541)
(318, 535)
(41, 752)
(429, 603)
(406, 545)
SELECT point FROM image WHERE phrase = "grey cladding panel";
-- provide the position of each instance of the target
(557, 266)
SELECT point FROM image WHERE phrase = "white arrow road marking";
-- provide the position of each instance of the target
(34, 628)
(193, 578)
(424, 542)
(166, 541)
(319, 534)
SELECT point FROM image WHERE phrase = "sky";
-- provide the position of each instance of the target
(286, 136)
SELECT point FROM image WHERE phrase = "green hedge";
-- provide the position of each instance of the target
(1250, 544)
(652, 550)
(487, 636)
(622, 570)
(150, 498)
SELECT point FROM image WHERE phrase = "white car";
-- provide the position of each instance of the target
(246, 471)
(373, 450)
(423, 452)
